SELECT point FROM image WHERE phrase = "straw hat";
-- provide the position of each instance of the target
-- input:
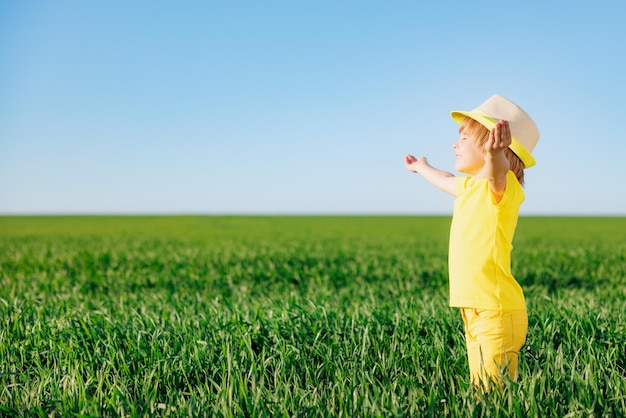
(524, 132)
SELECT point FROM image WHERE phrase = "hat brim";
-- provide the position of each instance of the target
(489, 122)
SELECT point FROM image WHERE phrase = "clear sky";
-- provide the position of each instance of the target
(299, 107)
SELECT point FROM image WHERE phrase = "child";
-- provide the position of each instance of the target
(494, 148)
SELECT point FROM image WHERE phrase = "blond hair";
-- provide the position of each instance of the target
(480, 134)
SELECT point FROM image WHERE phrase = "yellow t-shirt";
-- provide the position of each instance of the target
(481, 239)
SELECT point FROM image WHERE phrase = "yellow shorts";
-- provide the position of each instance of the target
(493, 339)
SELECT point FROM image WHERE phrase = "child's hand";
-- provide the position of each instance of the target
(499, 137)
(414, 164)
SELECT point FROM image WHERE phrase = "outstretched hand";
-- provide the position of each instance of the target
(438, 178)
(499, 137)
(414, 164)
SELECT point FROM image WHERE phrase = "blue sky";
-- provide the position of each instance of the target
(298, 107)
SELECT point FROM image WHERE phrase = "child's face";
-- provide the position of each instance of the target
(470, 158)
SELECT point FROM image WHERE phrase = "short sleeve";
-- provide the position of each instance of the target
(461, 184)
(514, 193)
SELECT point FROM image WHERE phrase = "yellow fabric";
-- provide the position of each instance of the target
(494, 339)
(481, 238)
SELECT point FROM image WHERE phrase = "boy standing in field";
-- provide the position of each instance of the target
(494, 148)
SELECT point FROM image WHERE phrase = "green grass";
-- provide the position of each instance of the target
(288, 316)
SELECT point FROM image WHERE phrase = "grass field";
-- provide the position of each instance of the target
(295, 316)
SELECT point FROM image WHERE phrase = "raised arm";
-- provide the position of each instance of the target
(438, 178)
(496, 164)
